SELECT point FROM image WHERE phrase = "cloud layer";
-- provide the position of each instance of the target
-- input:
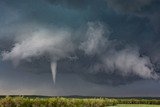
(107, 42)
(125, 61)
(55, 45)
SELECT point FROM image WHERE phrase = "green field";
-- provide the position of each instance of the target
(135, 105)
(76, 102)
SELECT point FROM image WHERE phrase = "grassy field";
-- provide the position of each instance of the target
(76, 102)
(135, 105)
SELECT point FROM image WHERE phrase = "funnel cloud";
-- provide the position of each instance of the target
(54, 70)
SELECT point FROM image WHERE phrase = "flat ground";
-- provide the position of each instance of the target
(135, 105)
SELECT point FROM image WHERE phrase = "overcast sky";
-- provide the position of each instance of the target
(80, 47)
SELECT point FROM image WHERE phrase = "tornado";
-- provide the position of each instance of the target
(54, 70)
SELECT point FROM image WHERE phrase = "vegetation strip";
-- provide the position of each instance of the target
(71, 102)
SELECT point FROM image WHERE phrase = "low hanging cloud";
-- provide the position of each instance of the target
(95, 41)
(124, 61)
(55, 45)
(129, 62)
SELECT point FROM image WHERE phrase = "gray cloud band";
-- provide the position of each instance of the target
(59, 45)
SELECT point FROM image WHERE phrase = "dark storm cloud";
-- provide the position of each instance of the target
(143, 16)
(141, 8)
(40, 12)
(78, 4)
(128, 5)
(94, 37)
